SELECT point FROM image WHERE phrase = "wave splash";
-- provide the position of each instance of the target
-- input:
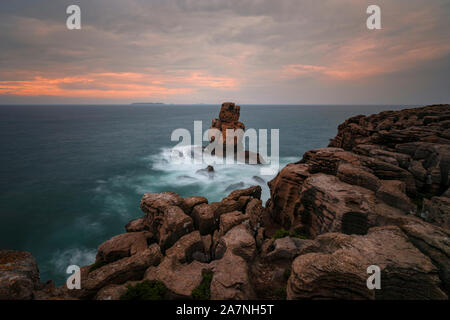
(177, 171)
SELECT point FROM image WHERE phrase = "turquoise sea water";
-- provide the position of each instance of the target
(71, 177)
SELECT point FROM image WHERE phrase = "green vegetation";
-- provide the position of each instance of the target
(287, 273)
(418, 199)
(100, 263)
(146, 290)
(203, 291)
(280, 293)
(281, 233)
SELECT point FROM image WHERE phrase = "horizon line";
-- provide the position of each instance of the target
(218, 104)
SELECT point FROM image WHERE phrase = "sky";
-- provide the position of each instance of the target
(211, 51)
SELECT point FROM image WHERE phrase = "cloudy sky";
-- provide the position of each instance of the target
(209, 51)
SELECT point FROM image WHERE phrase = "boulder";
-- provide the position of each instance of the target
(155, 203)
(187, 248)
(255, 211)
(286, 248)
(437, 210)
(123, 245)
(180, 279)
(19, 275)
(392, 192)
(230, 220)
(238, 241)
(254, 192)
(432, 241)
(341, 273)
(225, 206)
(190, 202)
(330, 205)
(120, 271)
(174, 224)
(285, 190)
(136, 225)
(358, 176)
(204, 219)
(230, 280)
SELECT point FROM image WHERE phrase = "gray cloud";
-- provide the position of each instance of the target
(258, 49)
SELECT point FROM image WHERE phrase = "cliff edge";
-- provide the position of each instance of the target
(377, 196)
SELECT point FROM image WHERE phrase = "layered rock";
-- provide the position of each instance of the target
(229, 120)
(19, 275)
(339, 270)
(379, 170)
(377, 196)
(390, 162)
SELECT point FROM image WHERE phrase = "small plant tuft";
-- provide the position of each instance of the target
(280, 293)
(97, 265)
(418, 199)
(287, 273)
(146, 290)
(203, 291)
(282, 233)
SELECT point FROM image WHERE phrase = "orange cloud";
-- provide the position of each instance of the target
(366, 57)
(114, 85)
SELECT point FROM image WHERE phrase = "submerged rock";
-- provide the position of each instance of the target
(235, 186)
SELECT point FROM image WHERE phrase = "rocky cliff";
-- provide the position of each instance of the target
(378, 195)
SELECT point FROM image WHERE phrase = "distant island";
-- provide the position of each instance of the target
(147, 103)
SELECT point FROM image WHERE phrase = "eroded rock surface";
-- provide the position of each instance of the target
(378, 195)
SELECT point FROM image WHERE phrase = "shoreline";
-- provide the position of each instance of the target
(369, 189)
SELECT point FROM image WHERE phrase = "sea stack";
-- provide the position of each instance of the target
(229, 119)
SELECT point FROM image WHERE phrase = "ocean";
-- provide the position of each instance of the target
(72, 176)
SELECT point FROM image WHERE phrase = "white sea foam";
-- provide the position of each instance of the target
(74, 256)
(180, 172)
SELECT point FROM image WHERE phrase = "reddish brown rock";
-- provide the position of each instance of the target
(392, 192)
(229, 119)
(180, 279)
(225, 206)
(188, 248)
(231, 280)
(19, 275)
(341, 274)
(230, 220)
(238, 241)
(419, 133)
(254, 192)
(286, 248)
(432, 241)
(123, 245)
(136, 225)
(284, 204)
(175, 224)
(358, 176)
(119, 272)
(191, 202)
(437, 211)
(255, 211)
(204, 219)
(155, 203)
